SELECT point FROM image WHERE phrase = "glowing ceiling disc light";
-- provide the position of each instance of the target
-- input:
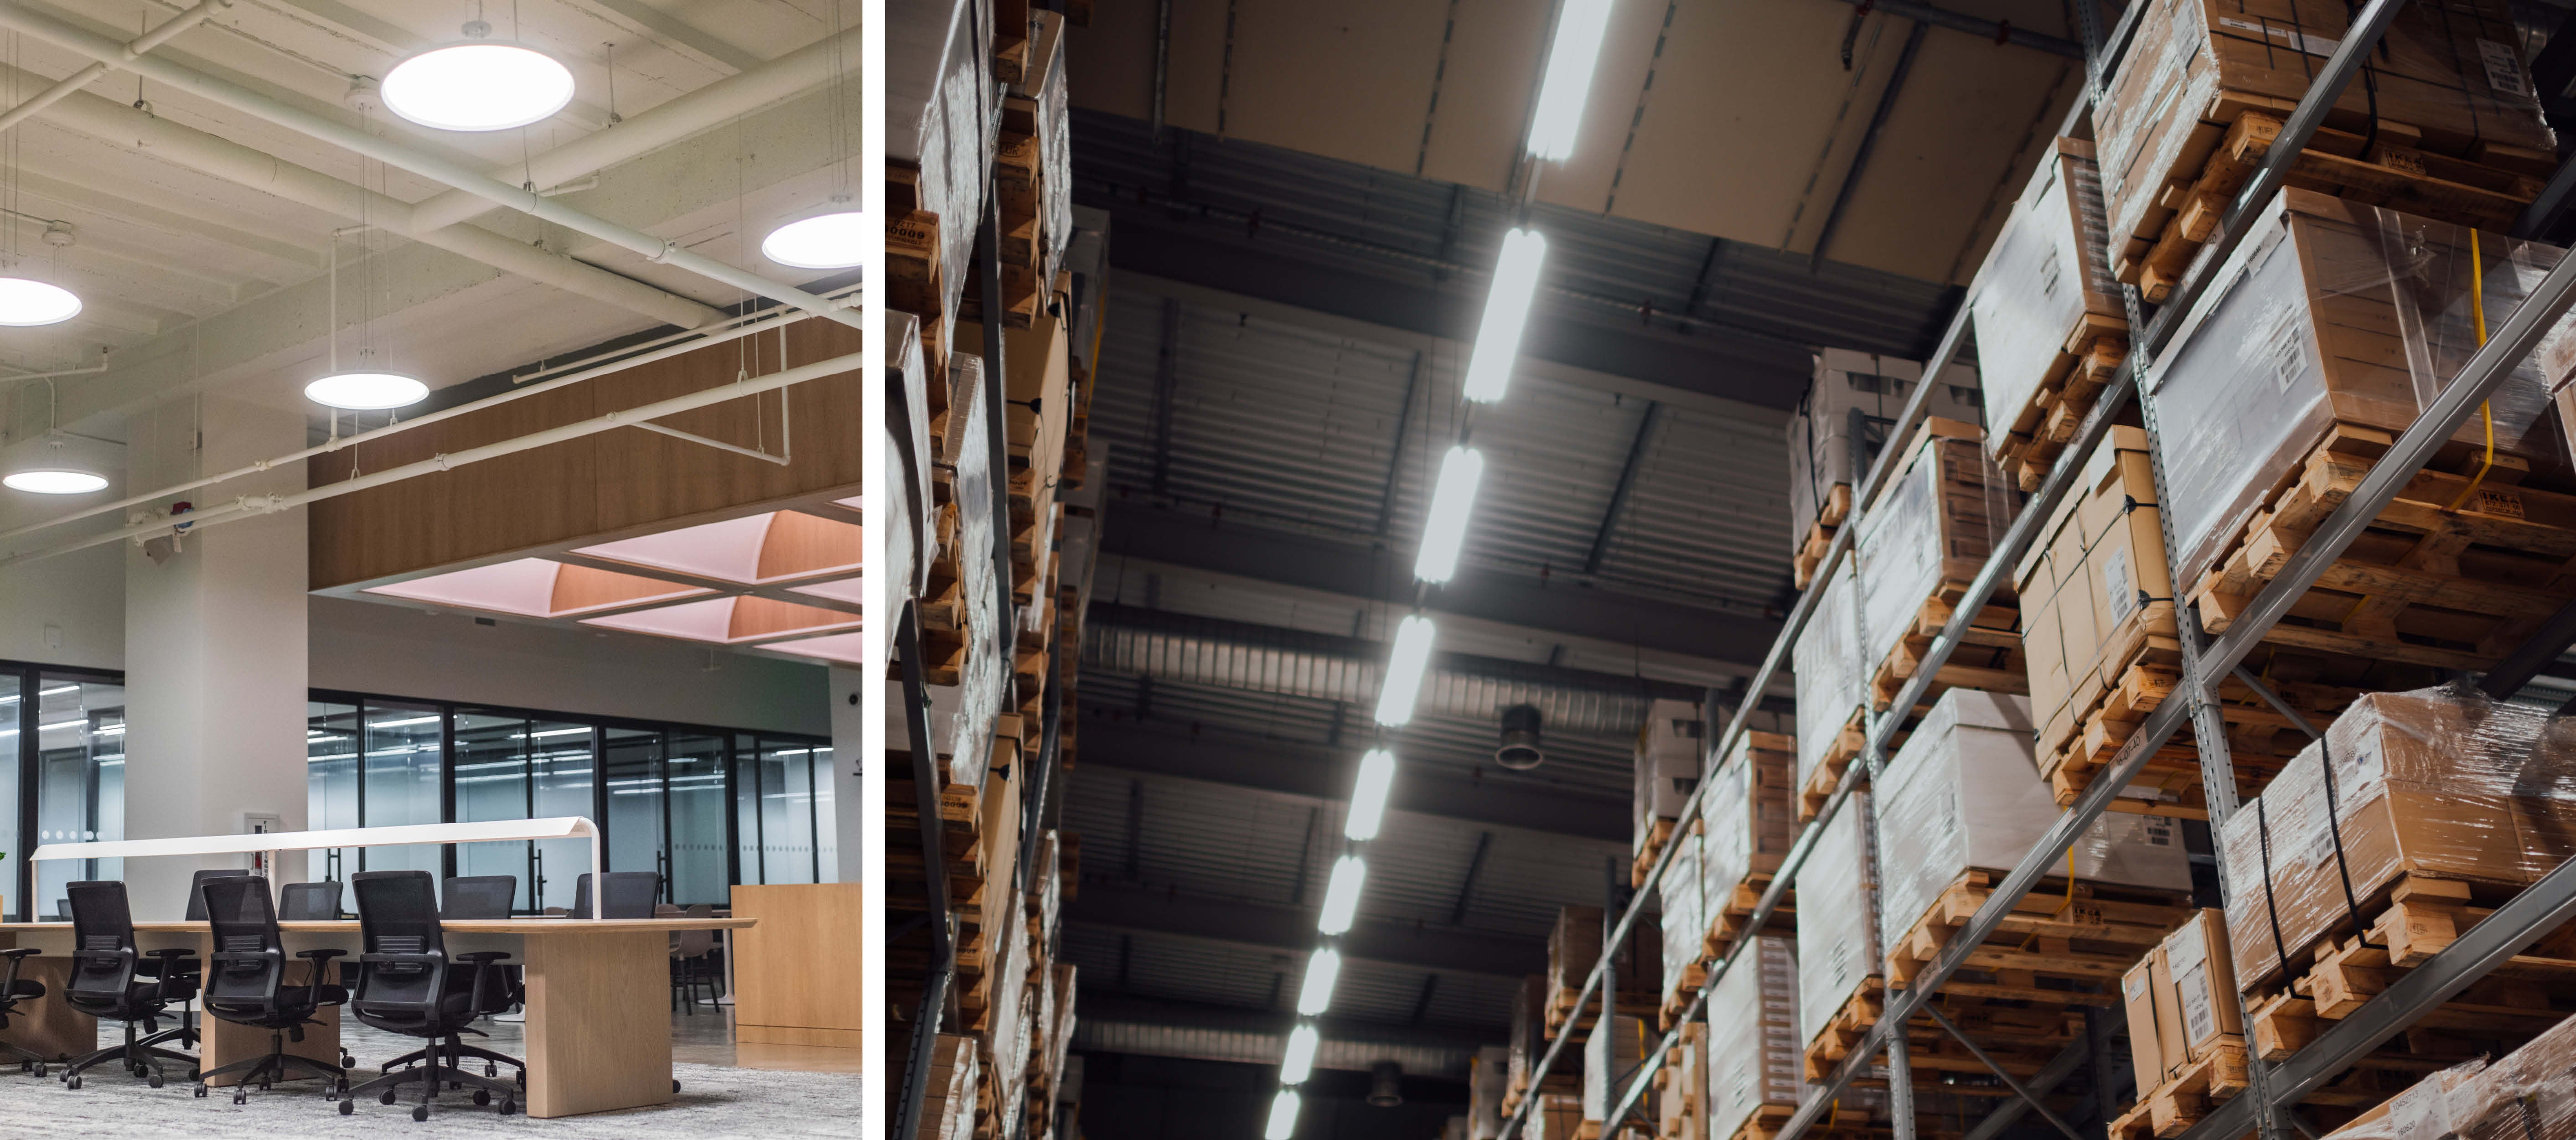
(54, 481)
(835, 240)
(366, 391)
(477, 87)
(25, 303)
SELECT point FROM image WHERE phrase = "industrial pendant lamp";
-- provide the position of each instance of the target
(835, 237)
(478, 85)
(60, 467)
(26, 302)
(366, 388)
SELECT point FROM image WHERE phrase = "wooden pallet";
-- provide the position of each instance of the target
(1657, 836)
(1844, 1031)
(2389, 168)
(1989, 655)
(1562, 1017)
(2080, 932)
(1820, 533)
(1828, 772)
(2521, 998)
(1728, 922)
(2426, 584)
(2086, 364)
(1765, 1123)
(2171, 1108)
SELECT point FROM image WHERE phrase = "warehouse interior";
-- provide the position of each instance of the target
(1297, 212)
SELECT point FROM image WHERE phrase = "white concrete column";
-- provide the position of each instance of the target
(215, 647)
(849, 754)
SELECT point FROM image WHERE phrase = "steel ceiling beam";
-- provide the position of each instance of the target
(1323, 774)
(1190, 540)
(1291, 930)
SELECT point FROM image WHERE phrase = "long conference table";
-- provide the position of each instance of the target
(598, 991)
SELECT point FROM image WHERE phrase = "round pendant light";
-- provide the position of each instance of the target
(366, 391)
(25, 303)
(54, 481)
(838, 239)
(477, 85)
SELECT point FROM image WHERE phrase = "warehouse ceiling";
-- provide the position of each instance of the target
(199, 277)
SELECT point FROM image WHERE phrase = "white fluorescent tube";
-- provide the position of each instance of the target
(1316, 994)
(1342, 897)
(1368, 798)
(1507, 305)
(1283, 1116)
(1404, 669)
(1453, 501)
(1299, 1063)
(1580, 27)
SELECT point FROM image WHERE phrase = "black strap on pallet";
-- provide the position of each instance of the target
(2334, 831)
(2272, 908)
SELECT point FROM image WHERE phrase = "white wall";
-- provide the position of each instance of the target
(80, 595)
(401, 651)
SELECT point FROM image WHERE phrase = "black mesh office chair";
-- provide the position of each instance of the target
(409, 984)
(245, 984)
(197, 891)
(309, 902)
(14, 989)
(631, 894)
(472, 897)
(110, 981)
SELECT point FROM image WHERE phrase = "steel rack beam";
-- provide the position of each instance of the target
(906, 1120)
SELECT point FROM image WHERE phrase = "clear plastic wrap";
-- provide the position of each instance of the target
(1826, 665)
(939, 115)
(1610, 1058)
(981, 682)
(1936, 523)
(2048, 271)
(1685, 910)
(1667, 766)
(2474, 1100)
(1838, 947)
(1748, 819)
(912, 540)
(1754, 1054)
(1963, 794)
(1555, 1117)
(2453, 71)
(1843, 422)
(2439, 783)
(1679, 1097)
(1487, 1082)
(2330, 312)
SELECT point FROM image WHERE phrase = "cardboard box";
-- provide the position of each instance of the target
(1036, 389)
(2046, 284)
(2434, 783)
(1754, 1045)
(1681, 1087)
(2204, 983)
(2301, 330)
(2141, 996)
(1825, 664)
(2098, 588)
(1610, 1059)
(1842, 424)
(1838, 946)
(1748, 819)
(1488, 1074)
(1668, 753)
(1935, 522)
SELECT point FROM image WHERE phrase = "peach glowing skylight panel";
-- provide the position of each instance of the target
(535, 587)
(756, 549)
(728, 621)
(846, 648)
(851, 590)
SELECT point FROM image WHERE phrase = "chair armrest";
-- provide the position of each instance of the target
(20, 952)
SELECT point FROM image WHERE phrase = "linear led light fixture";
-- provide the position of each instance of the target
(1283, 1116)
(1299, 1061)
(1315, 994)
(1580, 27)
(1342, 897)
(1507, 305)
(1404, 669)
(1453, 501)
(1368, 797)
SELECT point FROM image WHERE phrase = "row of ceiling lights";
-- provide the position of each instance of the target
(477, 85)
(1581, 25)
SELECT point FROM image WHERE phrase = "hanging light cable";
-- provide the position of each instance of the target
(835, 237)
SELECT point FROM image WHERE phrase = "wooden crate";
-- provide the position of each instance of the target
(2452, 574)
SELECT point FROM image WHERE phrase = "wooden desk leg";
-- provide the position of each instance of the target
(599, 1021)
(46, 1025)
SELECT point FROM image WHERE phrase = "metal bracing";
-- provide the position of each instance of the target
(2276, 1087)
(943, 948)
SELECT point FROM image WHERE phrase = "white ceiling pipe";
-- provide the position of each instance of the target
(756, 324)
(251, 505)
(81, 78)
(454, 174)
(810, 66)
(122, 125)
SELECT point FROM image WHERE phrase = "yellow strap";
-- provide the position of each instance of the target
(2486, 408)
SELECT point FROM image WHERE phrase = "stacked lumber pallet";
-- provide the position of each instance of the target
(2442, 123)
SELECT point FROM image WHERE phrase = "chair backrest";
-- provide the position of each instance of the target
(398, 914)
(310, 902)
(478, 896)
(196, 894)
(697, 943)
(666, 910)
(630, 894)
(102, 941)
(702, 910)
(244, 921)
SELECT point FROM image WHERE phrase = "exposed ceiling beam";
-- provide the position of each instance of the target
(72, 185)
(1277, 926)
(1323, 774)
(1729, 366)
(1734, 642)
(674, 33)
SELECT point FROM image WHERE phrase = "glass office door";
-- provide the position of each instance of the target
(80, 787)
(492, 783)
(331, 748)
(405, 761)
(638, 801)
(561, 766)
(696, 781)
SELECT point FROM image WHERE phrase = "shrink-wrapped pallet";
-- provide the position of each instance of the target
(1825, 662)
(1488, 1077)
(1841, 426)
(2439, 787)
(1684, 918)
(1928, 533)
(1666, 770)
(2181, 1003)
(1611, 1057)
(1963, 795)
(2094, 589)
(908, 510)
(1557, 1116)
(940, 110)
(2051, 324)
(1753, 1045)
(1747, 822)
(1681, 1087)
(1838, 947)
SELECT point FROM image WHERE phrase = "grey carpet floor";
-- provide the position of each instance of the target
(713, 1102)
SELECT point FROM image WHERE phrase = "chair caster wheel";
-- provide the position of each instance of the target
(482, 1097)
(347, 1107)
(241, 1098)
(385, 1097)
(154, 1080)
(675, 1086)
(420, 1112)
(491, 1070)
(72, 1083)
(348, 1062)
(201, 1092)
(40, 1070)
(509, 1107)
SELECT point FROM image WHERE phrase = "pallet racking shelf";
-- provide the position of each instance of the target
(2274, 1088)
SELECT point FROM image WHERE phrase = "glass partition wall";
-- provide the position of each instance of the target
(701, 808)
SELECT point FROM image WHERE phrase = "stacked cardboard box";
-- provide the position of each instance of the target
(1681, 1087)
(1832, 692)
(1930, 530)
(1611, 1058)
(2051, 325)
(1574, 947)
(2186, 1026)
(1488, 1084)
(1747, 822)
(1839, 429)
(1839, 963)
(939, 158)
(1669, 749)
(1753, 1048)
(2443, 120)
(1558, 1116)
(948, 1104)
(1682, 891)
